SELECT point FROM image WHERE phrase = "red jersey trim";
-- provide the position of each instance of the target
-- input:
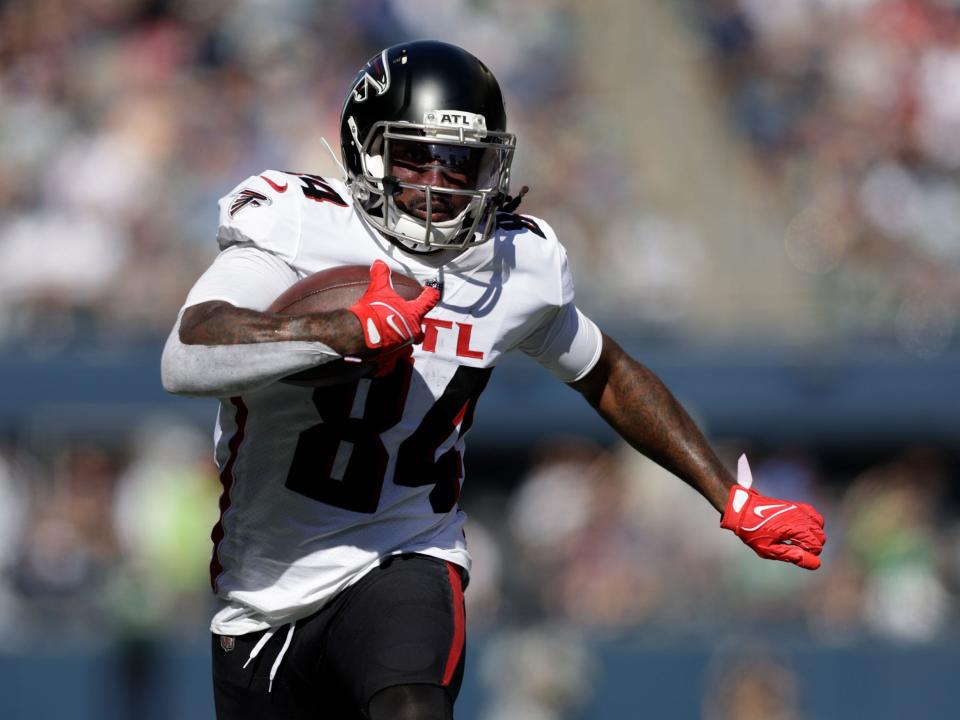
(276, 186)
(459, 623)
(226, 481)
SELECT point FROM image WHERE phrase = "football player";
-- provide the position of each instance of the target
(339, 559)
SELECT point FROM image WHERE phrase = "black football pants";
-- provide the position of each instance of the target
(390, 647)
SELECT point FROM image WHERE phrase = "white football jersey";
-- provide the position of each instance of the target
(320, 483)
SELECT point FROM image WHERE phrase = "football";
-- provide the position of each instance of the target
(334, 289)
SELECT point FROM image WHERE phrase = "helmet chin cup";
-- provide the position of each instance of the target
(434, 234)
(380, 210)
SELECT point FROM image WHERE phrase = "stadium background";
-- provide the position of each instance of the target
(761, 199)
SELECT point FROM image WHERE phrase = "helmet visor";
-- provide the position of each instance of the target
(458, 167)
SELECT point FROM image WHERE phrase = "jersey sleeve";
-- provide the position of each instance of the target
(262, 211)
(564, 340)
(567, 343)
(248, 277)
(244, 276)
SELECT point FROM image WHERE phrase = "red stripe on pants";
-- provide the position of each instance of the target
(459, 623)
(226, 480)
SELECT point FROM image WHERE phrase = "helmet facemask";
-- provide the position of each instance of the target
(474, 165)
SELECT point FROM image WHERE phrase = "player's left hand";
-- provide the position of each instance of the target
(387, 320)
(774, 529)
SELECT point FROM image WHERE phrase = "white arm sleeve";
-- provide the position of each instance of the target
(567, 343)
(247, 277)
(564, 340)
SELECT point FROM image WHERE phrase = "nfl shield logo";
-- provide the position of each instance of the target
(227, 642)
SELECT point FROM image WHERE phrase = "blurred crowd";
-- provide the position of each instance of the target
(101, 537)
(609, 541)
(106, 542)
(852, 108)
(123, 121)
(602, 543)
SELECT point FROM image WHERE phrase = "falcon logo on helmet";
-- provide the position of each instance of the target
(376, 75)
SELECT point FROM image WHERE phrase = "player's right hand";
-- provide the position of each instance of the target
(774, 529)
(389, 321)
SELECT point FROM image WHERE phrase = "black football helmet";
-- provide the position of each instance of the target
(429, 103)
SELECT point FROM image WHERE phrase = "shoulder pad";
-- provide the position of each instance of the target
(262, 211)
(540, 251)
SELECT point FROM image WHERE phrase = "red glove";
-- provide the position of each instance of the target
(775, 529)
(388, 321)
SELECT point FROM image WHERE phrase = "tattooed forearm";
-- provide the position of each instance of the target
(639, 406)
(219, 323)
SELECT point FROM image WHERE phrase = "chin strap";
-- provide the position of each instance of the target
(511, 204)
